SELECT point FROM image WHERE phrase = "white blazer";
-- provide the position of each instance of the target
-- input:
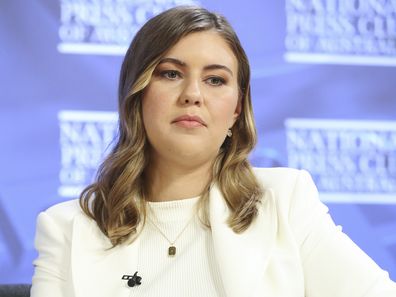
(292, 249)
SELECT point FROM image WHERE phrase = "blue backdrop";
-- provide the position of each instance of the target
(323, 83)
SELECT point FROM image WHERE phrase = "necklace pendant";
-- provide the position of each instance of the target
(172, 251)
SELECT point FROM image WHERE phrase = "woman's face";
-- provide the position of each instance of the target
(192, 99)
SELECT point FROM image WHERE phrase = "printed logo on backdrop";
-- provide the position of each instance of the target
(85, 138)
(350, 161)
(341, 31)
(106, 26)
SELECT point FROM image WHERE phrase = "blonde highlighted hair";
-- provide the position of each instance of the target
(116, 200)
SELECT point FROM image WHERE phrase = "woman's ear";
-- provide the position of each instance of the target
(237, 111)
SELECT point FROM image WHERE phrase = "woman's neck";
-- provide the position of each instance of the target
(169, 182)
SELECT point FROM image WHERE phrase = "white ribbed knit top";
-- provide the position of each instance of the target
(193, 271)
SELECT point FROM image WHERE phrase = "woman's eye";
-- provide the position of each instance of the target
(216, 81)
(171, 74)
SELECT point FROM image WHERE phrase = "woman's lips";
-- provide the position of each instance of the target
(188, 121)
(188, 124)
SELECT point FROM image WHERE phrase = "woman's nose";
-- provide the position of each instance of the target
(192, 94)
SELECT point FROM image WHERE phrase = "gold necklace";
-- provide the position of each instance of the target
(172, 247)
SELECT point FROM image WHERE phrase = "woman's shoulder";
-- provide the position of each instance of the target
(69, 207)
(277, 176)
(63, 213)
(55, 225)
(286, 184)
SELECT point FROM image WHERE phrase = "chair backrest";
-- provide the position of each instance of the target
(15, 290)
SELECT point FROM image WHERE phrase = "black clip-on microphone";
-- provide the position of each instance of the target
(133, 280)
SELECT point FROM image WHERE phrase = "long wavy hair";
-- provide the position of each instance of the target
(116, 200)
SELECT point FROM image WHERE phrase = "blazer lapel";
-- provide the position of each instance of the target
(242, 258)
(97, 269)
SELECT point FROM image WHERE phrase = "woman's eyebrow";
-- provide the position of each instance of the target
(218, 66)
(173, 61)
(207, 67)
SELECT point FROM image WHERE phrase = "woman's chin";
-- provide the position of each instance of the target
(191, 152)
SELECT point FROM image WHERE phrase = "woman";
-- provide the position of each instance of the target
(176, 209)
